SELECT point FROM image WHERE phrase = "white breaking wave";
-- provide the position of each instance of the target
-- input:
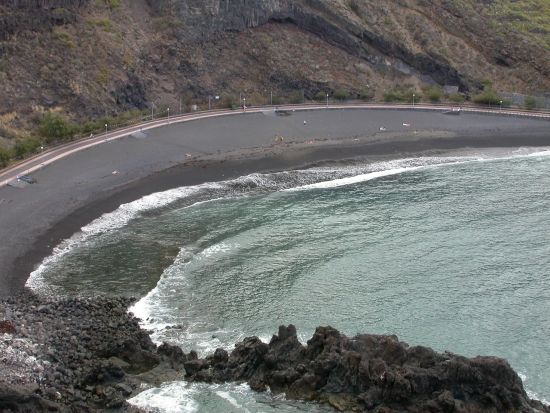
(177, 397)
(181, 397)
(532, 394)
(157, 316)
(313, 178)
(150, 308)
(354, 179)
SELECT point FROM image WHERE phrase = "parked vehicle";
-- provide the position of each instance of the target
(26, 178)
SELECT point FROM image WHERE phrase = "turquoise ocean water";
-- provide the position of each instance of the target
(451, 253)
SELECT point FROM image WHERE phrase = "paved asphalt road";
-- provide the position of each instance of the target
(37, 162)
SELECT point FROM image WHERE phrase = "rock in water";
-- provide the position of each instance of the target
(370, 373)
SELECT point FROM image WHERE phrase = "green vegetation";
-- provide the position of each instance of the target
(296, 98)
(277, 100)
(167, 23)
(5, 157)
(320, 96)
(111, 4)
(105, 24)
(488, 96)
(366, 94)
(55, 127)
(530, 102)
(434, 94)
(456, 98)
(26, 146)
(402, 94)
(341, 94)
(102, 77)
(65, 38)
(529, 17)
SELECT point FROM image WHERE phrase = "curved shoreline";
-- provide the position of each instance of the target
(77, 189)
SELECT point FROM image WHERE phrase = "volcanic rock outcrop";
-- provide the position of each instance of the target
(77, 354)
(370, 373)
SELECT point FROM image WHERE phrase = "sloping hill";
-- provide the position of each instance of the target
(90, 59)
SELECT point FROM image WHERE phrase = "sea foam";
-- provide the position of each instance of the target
(325, 177)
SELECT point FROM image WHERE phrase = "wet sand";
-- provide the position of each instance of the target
(75, 190)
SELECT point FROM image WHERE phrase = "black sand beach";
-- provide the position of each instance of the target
(77, 189)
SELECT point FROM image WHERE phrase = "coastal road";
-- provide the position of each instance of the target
(37, 162)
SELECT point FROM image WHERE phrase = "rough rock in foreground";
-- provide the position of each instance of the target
(77, 355)
(90, 354)
(368, 373)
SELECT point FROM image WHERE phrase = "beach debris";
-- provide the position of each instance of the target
(407, 125)
(305, 122)
(188, 155)
(115, 172)
(382, 129)
(279, 139)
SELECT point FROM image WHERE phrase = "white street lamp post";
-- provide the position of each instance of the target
(168, 115)
(271, 97)
(244, 104)
(327, 100)
(500, 105)
(105, 128)
(413, 98)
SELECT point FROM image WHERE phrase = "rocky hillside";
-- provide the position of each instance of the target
(98, 58)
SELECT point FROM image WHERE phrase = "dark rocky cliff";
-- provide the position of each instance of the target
(205, 19)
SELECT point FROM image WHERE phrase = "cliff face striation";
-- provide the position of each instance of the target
(99, 58)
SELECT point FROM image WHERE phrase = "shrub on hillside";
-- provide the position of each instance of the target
(456, 98)
(54, 127)
(366, 94)
(5, 156)
(296, 98)
(277, 100)
(92, 126)
(26, 146)
(392, 96)
(320, 96)
(434, 94)
(488, 96)
(530, 102)
(341, 94)
(402, 94)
